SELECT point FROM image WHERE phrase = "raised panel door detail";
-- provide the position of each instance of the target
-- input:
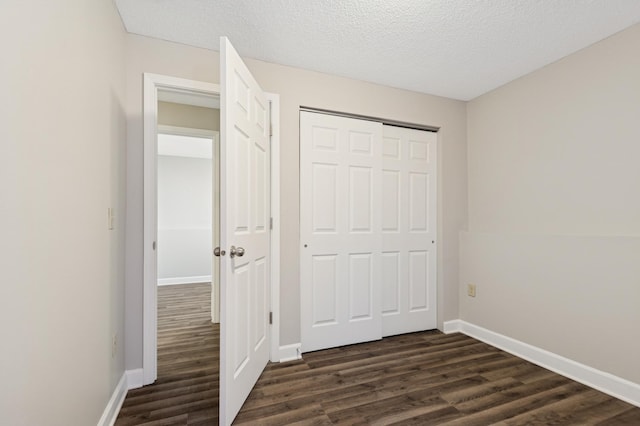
(418, 150)
(360, 143)
(360, 187)
(410, 179)
(390, 283)
(418, 202)
(418, 280)
(242, 94)
(324, 285)
(260, 193)
(340, 222)
(260, 300)
(324, 212)
(391, 203)
(260, 112)
(324, 139)
(242, 182)
(244, 203)
(359, 286)
(242, 300)
(391, 147)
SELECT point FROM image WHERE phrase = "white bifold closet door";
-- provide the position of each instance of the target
(408, 230)
(340, 195)
(367, 230)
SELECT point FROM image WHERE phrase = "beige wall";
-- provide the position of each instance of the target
(194, 117)
(62, 133)
(554, 208)
(296, 87)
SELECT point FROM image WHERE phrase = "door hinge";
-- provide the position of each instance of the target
(270, 317)
(270, 223)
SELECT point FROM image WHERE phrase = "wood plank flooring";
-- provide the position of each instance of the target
(186, 392)
(423, 378)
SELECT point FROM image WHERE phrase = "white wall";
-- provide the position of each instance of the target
(62, 164)
(184, 217)
(296, 87)
(554, 208)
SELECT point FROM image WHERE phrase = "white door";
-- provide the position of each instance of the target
(244, 225)
(340, 219)
(408, 230)
(367, 230)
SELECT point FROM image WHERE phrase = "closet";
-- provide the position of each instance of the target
(367, 230)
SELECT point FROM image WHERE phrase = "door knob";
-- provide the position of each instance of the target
(219, 252)
(236, 251)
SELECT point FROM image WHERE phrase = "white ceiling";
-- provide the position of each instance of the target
(454, 48)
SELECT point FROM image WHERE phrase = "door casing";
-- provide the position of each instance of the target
(151, 84)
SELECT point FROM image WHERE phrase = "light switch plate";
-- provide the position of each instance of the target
(471, 290)
(110, 218)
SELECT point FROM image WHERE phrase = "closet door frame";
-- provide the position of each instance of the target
(429, 224)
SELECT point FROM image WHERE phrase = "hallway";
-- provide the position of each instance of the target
(186, 392)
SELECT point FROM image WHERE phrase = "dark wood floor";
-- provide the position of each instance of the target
(186, 392)
(425, 379)
(416, 379)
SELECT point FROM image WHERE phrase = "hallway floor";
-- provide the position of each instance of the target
(186, 392)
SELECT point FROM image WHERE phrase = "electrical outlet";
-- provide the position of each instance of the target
(471, 290)
(114, 345)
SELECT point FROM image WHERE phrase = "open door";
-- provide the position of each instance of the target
(244, 232)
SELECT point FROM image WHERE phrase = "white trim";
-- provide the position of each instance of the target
(149, 271)
(290, 352)
(186, 131)
(274, 101)
(605, 382)
(110, 413)
(185, 280)
(134, 378)
(151, 84)
(453, 326)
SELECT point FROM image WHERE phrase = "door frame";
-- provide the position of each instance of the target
(151, 84)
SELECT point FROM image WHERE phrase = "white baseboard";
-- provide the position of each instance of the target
(110, 413)
(453, 326)
(605, 382)
(290, 352)
(135, 378)
(185, 280)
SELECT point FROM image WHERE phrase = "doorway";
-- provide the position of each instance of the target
(188, 162)
(154, 85)
(188, 193)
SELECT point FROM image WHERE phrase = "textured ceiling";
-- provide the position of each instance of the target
(454, 48)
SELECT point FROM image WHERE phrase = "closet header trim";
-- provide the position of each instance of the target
(384, 121)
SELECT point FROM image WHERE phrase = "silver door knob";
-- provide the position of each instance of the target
(218, 252)
(236, 251)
